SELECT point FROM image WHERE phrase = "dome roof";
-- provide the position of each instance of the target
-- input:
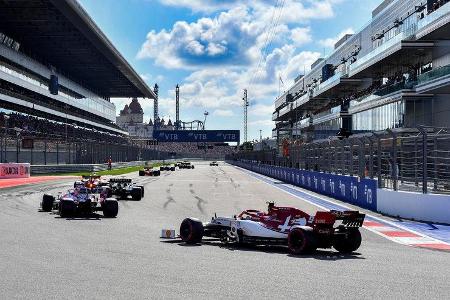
(124, 111)
(135, 107)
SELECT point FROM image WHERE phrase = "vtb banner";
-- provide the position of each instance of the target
(208, 136)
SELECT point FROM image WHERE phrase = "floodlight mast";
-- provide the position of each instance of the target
(246, 104)
(155, 106)
(177, 107)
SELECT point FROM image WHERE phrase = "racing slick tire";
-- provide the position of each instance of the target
(141, 173)
(67, 208)
(301, 241)
(47, 202)
(136, 193)
(110, 208)
(347, 242)
(191, 231)
(142, 190)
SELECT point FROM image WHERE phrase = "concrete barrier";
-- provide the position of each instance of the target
(421, 207)
(14, 170)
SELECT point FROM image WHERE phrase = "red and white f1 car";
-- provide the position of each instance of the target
(289, 226)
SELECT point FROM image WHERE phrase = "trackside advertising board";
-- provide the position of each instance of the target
(14, 171)
(360, 192)
(208, 136)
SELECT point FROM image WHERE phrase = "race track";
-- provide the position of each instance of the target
(43, 256)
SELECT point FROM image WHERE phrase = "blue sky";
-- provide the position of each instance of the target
(214, 49)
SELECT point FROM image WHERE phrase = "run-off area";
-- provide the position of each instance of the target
(45, 256)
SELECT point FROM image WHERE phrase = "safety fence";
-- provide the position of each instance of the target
(409, 159)
(50, 149)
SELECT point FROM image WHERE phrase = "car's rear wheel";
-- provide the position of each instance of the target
(47, 202)
(301, 241)
(191, 231)
(67, 208)
(347, 240)
(136, 193)
(110, 208)
(142, 190)
(141, 173)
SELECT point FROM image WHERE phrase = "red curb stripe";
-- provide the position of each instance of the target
(12, 182)
(399, 234)
(434, 246)
(373, 224)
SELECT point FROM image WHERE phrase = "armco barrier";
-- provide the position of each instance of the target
(353, 190)
(12, 170)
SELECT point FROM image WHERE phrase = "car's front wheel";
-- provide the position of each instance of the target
(191, 231)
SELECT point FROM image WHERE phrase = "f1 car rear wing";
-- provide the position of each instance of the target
(120, 180)
(350, 218)
(90, 177)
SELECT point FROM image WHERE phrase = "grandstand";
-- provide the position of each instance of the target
(58, 73)
(393, 73)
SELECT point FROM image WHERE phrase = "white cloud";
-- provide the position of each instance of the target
(261, 110)
(226, 53)
(150, 79)
(330, 42)
(223, 113)
(301, 36)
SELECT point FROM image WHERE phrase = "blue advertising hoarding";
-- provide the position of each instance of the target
(361, 192)
(208, 136)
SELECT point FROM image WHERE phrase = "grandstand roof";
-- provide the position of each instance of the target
(61, 34)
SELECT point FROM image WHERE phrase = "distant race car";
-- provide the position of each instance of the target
(214, 163)
(150, 172)
(81, 201)
(90, 181)
(168, 167)
(124, 188)
(289, 226)
(185, 165)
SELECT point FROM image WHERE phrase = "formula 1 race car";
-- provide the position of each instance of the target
(289, 226)
(185, 165)
(90, 181)
(123, 188)
(81, 201)
(214, 164)
(168, 168)
(150, 172)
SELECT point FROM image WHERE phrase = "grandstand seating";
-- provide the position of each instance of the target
(35, 127)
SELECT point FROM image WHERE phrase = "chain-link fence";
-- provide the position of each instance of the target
(402, 159)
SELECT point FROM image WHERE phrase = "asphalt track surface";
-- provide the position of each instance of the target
(43, 256)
